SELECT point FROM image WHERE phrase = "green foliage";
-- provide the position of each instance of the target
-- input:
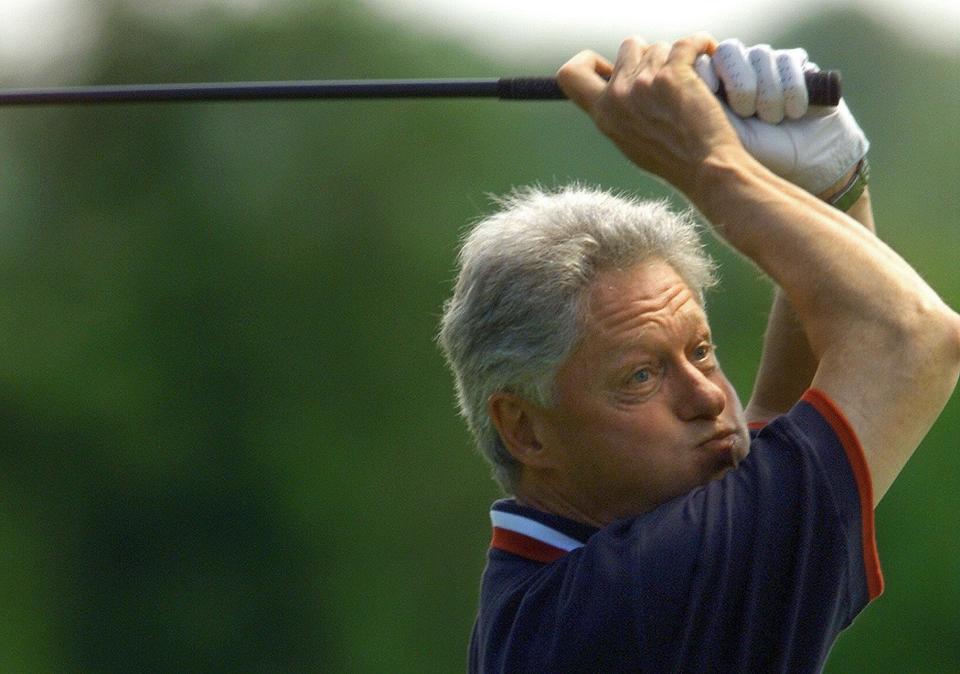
(228, 441)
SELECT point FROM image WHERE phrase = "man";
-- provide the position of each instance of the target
(648, 530)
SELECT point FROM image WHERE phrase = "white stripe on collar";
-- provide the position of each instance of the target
(533, 529)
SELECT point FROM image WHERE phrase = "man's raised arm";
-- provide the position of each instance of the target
(787, 364)
(887, 347)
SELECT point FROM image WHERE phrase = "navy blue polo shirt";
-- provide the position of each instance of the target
(756, 572)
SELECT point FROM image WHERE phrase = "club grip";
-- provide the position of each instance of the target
(823, 88)
(529, 89)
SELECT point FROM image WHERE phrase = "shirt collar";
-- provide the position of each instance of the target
(534, 534)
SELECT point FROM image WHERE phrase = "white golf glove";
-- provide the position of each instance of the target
(812, 147)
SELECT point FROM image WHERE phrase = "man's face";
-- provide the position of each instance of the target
(644, 411)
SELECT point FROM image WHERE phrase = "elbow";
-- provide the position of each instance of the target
(954, 336)
(953, 322)
(950, 322)
(936, 331)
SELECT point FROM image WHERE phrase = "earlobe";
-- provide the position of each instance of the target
(512, 417)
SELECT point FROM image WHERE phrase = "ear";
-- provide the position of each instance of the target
(514, 419)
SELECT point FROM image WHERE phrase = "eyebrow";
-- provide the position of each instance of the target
(701, 330)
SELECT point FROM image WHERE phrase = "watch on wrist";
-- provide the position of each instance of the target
(852, 191)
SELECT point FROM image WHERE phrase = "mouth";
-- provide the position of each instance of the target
(723, 446)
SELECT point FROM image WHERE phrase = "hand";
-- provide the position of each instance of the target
(812, 147)
(654, 106)
(759, 80)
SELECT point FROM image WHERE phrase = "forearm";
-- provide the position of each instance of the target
(887, 348)
(787, 363)
(837, 275)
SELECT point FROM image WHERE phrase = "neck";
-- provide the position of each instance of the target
(535, 494)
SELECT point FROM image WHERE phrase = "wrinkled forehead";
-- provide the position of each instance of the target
(649, 286)
(623, 306)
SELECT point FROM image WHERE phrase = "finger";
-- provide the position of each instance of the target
(584, 77)
(704, 67)
(628, 58)
(686, 50)
(654, 57)
(769, 91)
(739, 80)
(790, 65)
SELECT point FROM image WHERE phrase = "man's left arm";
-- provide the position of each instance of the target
(787, 364)
(824, 158)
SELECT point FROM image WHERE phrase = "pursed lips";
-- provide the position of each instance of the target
(723, 444)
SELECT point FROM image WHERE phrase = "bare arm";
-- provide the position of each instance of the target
(887, 347)
(787, 364)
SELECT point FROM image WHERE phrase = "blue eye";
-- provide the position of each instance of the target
(641, 376)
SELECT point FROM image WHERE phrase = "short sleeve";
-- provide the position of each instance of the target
(757, 571)
(760, 570)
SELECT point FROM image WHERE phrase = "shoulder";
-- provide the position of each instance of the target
(546, 570)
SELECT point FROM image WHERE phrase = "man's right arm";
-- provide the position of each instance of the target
(888, 348)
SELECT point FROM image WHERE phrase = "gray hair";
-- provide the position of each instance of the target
(518, 304)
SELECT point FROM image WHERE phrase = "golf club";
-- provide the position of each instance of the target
(823, 88)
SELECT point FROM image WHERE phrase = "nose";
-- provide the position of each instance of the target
(698, 395)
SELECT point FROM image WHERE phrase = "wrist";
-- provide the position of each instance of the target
(847, 191)
(717, 176)
(837, 187)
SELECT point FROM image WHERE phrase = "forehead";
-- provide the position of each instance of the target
(649, 285)
(626, 304)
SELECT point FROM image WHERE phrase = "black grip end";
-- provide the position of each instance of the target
(529, 88)
(823, 87)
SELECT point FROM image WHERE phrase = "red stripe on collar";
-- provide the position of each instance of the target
(525, 546)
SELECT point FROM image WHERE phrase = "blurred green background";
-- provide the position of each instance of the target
(227, 440)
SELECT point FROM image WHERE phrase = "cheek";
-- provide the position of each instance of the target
(598, 439)
(634, 437)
